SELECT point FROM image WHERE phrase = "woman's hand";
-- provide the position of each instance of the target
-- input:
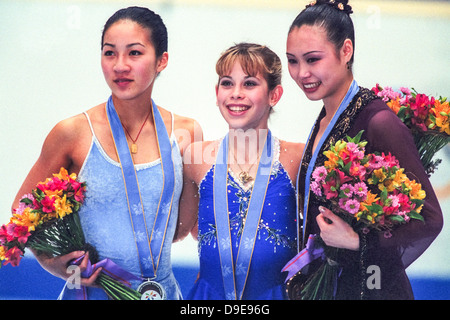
(58, 266)
(335, 232)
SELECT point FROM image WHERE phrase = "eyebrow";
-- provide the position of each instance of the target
(305, 54)
(128, 45)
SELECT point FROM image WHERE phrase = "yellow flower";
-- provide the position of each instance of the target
(62, 207)
(52, 193)
(416, 191)
(64, 175)
(27, 218)
(2, 253)
(380, 175)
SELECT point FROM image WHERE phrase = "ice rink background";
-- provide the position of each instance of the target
(50, 63)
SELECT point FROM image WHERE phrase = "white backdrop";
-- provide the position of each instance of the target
(50, 70)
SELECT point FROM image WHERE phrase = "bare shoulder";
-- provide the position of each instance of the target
(65, 146)
(291, 148)
(187, 130)
(290, 156)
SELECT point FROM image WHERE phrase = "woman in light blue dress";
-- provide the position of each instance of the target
(129, 152)
(247, 220)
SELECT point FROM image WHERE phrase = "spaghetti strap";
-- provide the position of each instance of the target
(89, 121)
(173, 122)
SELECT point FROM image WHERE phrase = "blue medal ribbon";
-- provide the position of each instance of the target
(352, 91)
(235, 275)
(149, 245)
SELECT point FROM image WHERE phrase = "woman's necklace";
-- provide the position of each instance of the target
(134, 148)
(244, 175)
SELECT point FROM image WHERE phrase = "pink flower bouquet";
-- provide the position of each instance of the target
(369, 191)
(427, 117)
(47, 221)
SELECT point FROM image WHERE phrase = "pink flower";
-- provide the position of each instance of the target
(357, 170)
(319, 174)
(342, 203)
(352, 206)
(360, 190)
(342, 177)
(375, 162)
(347, 189)
(21, 233)
(48, 204)
(13, 256)
(7, 233)
(389, 160)
(315, 187)
(23, 205)
(405, 91)
(329, 188)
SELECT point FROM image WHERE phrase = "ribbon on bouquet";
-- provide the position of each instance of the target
(109, 268)
(311, 252)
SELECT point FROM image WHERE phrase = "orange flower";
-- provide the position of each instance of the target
(394, 105)
(442, 111)
(371, 198)
(332, 159)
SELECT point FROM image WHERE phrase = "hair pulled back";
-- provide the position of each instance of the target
(147, 19)
(333, 16)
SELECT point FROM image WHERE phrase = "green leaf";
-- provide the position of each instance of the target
(396, 218)
(26, 201)
(415, 215)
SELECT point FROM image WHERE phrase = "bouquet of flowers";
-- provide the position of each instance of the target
(427, 117)
(369, 191)
(47, 221)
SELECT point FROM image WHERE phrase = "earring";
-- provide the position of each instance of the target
(348, 65)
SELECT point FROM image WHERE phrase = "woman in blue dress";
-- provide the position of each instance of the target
(247, 222)
(123, 149)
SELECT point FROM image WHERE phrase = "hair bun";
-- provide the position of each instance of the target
(341, 5)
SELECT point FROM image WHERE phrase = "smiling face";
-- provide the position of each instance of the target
(244, 100)
(317, 66)
(129, 62)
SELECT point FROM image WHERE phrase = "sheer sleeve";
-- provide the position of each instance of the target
(386, 133)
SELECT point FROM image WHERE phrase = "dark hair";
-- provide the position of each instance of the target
(334, 16)
(148, 20)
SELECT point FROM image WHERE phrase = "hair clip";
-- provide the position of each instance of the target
(337, 4)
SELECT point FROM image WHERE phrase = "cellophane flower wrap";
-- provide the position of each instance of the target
(370, 192)
(426, 116)
(47, 221)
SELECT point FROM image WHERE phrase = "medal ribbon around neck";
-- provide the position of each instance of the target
(235, 275)
(149, 246)
(352, 91)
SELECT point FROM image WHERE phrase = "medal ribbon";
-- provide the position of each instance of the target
(146, 243)
(235, 275)
(352, 91)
